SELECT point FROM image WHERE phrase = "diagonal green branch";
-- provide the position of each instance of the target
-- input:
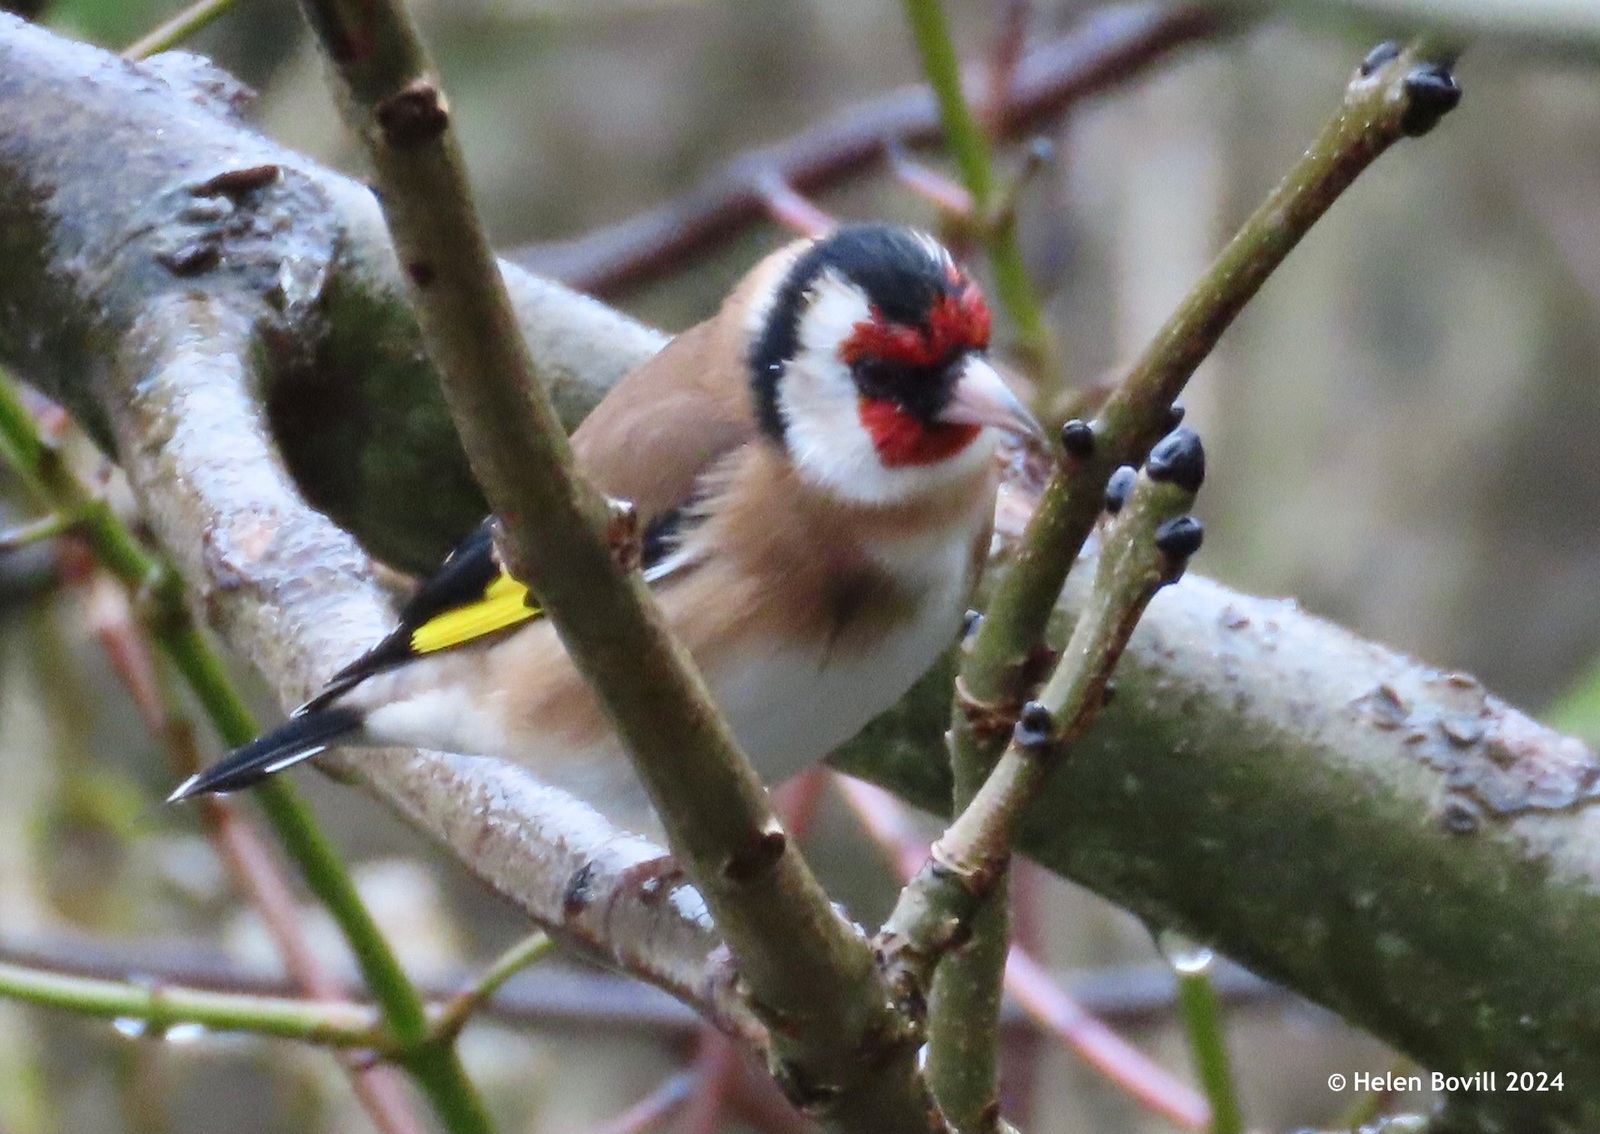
(180, 27)
(46, 474)
(994, 219)
(841, 1051)
(967, 862)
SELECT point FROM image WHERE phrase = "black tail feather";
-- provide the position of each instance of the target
(296, 739)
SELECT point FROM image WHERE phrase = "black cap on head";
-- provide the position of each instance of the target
(904, 278)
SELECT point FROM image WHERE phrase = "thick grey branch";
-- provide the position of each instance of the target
(1385, 838)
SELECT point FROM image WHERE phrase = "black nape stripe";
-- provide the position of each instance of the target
(892, 265)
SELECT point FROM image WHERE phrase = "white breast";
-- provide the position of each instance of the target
(792, 707)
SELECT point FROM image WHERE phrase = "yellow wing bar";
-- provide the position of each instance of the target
(504, 603)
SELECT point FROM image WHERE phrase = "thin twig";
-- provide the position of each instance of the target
(1074, 1017)
(254, 872)
(40, 466)
(1067, 1016)
(1146, 549)
(1109, 47)
(180, 27)
(652, 1110)
(257, 875)
(1201, 1012)
(1005, 53)
(952, 199)
(942, 69)
(35, 531)
(566, 999)
(108, 614)
(997, 230)
(846, 1055)
(464, 1005)
(793, 210)
(1399, 95)
(1381, 105)
(160, 1009)
(964, 1011)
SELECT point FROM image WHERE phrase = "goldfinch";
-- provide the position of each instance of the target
(814, 469)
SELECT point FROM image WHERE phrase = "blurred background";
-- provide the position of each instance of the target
(1401, 431)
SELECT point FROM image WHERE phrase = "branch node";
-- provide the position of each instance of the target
(986, 718)
(808, 1097)
(1383, 53)
(1035, 731)
(415, 116)
(757, 856)
(622, 535)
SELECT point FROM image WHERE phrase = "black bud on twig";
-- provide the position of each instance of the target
(1179, 538)
(1077, 438)
(1175, 414)
(970, 623)
(1108, 694)
(1431, 93)
(1118, 487)
(1378, 56)
(1179, 458)
(1035, 727)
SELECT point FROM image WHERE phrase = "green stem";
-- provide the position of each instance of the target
(460, 1009)
(436, 1067)
(179, 28)
(963, 881)
(963, 1014)
(975, 161)
(46, 527)
(161, 1008)
(1201, 1012)
(964, 1007)
(961, 130)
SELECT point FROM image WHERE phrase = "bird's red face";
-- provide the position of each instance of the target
(870, 369)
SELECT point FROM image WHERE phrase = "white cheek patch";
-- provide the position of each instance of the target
(822, 415)
(818, 397)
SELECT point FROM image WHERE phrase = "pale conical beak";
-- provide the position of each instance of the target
(981, 397)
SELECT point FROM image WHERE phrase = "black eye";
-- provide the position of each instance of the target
(923, 391)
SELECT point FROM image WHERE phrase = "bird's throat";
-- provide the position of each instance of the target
(902, 440)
